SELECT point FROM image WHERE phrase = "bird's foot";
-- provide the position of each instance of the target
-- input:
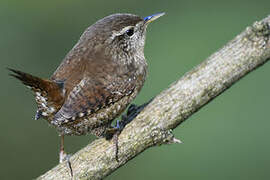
(63, 156)
(114, 131)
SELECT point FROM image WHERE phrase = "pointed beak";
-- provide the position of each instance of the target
(152, 18)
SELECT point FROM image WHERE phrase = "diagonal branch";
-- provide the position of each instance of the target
(169, 109)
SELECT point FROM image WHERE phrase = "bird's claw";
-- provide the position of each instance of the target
(63, 156)
(114, 131)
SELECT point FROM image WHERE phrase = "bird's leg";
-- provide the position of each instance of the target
(62, 153)
(114, 131)
(63, 156)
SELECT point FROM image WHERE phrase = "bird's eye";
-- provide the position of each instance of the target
(130, 32)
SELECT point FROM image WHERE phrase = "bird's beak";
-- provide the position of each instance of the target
(153, 17)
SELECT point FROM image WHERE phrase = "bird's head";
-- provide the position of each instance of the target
(119, 33)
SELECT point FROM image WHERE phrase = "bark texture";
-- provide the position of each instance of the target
(153, 126)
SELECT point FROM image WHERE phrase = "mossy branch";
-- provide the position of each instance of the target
(153, 126)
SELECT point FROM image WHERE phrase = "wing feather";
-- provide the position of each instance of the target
(102, 83)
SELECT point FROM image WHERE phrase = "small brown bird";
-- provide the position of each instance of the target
(97, 79)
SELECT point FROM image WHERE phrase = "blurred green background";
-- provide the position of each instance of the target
(227, 139)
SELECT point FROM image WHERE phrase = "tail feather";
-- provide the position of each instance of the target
(29, 80)
(49, 94)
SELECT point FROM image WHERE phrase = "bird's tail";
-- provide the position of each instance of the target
(35, 83)
(49, 94)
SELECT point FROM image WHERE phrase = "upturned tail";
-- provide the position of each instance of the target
(49, 94)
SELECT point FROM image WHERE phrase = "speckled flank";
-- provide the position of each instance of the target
(96, 123)
(43, 106)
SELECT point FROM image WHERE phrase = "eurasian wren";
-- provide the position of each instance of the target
(97, 79)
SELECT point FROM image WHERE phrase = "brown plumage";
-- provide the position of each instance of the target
(49, 94)
(97, 79)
